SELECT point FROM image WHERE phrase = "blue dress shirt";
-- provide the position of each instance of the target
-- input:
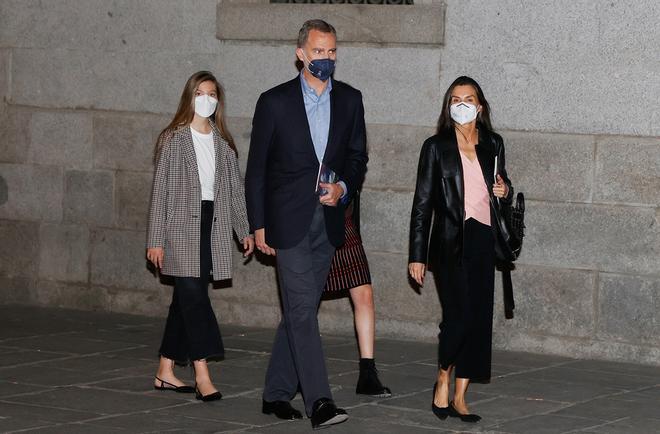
(317, 108)
(318, 115)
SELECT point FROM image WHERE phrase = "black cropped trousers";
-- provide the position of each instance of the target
(191, 330)
(466, 296)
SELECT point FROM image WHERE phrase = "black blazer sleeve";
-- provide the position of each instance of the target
(263, 127)
(422, 208)
(356, 153)
(501, 163)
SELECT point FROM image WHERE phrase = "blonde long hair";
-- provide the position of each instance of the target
(186, 111)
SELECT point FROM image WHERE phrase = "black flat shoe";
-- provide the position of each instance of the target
(215, 396)
(164, 385)
(326, 413)
(471, 418)
(281, 409)
(440, 412)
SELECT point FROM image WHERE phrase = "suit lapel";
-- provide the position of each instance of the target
(221, 146)
(301, 113)
(329, 147)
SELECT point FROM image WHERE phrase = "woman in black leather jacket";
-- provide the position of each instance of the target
(457, 189)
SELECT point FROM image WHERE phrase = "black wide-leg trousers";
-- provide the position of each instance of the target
(191, 330)
(297, 357)
(466, 295)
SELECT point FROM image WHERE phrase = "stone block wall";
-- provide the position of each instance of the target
(85, 87)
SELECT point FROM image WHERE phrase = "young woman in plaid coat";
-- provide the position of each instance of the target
(196, 201)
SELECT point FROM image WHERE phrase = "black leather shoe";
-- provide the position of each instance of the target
(326, 413)
(368, 381)
(215, 396)
(164, 385)
(471, 418)
(281, 409)
(440, 412)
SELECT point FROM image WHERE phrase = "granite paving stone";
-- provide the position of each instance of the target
(16, 415)
(8, 388)
(99, 364)
(130, 383)
(550, 423)
(650, 393)
(142, 335)
(156, 423)
(67, 343)
(51, 377)
(617, 368)
(77, 427)
(587, 378)
(626, 425)
(77, 372)
(97, 401)
(612, 408)
(552, 390)
(237, 375)
(18, 357)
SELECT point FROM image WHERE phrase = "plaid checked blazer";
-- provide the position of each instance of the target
(174, 214)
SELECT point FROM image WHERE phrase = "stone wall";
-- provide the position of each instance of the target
(86, 86)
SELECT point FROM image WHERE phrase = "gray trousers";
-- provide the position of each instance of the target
(297, 357)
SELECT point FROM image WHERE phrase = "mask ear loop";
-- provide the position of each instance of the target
(309, 62)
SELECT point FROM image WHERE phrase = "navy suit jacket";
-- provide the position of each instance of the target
(282, 166)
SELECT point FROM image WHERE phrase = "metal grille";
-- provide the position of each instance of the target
(350, 2)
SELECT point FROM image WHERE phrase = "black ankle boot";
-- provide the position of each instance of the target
(368, 382)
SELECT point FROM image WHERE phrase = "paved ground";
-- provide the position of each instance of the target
(65, 371)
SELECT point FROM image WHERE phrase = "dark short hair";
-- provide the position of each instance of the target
(309, 25)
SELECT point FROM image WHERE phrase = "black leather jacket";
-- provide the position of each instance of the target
(439, 195)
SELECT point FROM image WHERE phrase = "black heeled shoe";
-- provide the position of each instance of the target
(164, 385)
(440, 412)
(215, 396)
(471, 418)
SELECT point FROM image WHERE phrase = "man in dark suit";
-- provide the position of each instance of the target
(298, 125)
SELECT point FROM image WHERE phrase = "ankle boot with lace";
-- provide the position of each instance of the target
(368, 381)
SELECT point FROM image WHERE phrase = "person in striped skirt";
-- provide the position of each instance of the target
(349, 271)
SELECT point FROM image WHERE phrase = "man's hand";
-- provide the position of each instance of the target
(332, 195)
(260, 241)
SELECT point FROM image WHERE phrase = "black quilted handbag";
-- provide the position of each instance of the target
(511, 225)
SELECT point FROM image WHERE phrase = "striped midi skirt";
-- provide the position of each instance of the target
(349, 266)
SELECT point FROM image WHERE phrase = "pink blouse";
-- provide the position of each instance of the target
(477, 202)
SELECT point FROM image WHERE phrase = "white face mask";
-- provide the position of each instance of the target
(463, 112)
(205, 105)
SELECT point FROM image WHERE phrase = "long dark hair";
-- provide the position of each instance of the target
(483, 118)
(186, 110)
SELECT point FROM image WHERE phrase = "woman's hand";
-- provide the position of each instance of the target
(248, 246)
(417, 271)
(156, 255)
(500, 189)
